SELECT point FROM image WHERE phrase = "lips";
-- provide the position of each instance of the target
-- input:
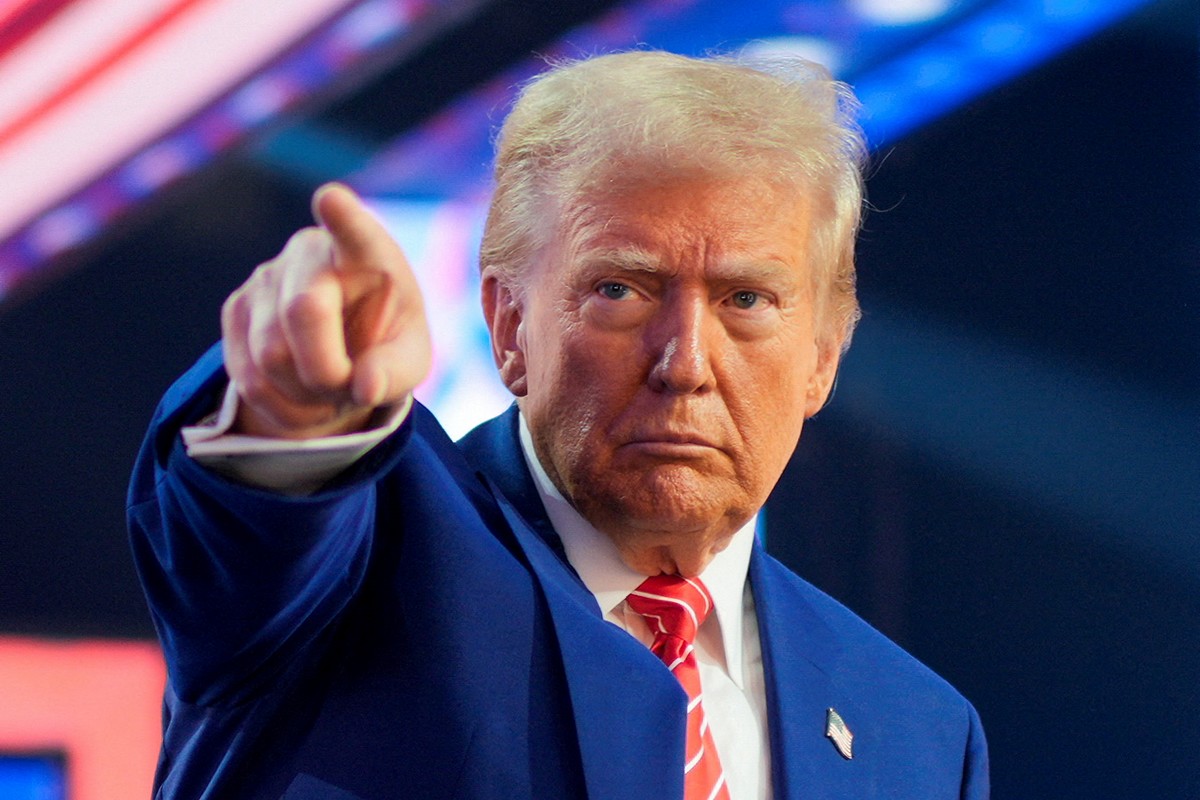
(671, 438)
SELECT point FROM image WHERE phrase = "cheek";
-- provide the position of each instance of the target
(566, 381)
(767, 399)
(776, 371)
(542, 342)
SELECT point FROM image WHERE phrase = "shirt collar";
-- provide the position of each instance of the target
(598, 562)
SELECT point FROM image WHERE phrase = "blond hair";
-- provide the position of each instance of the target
(786, 121)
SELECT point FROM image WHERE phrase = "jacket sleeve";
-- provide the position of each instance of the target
(238, 579)
(975, 784)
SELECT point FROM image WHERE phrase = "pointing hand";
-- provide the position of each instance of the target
(327, 331)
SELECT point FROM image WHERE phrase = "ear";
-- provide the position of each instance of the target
(504, 316)
(824, 377)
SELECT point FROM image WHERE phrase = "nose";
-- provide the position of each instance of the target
(681, 338)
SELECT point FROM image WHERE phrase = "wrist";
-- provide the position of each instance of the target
(299, 423)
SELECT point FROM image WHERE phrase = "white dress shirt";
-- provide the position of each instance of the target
(728, 649)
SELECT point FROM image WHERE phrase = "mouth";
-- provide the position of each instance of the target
(672, 444)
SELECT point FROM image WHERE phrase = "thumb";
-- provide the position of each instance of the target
(392, 369)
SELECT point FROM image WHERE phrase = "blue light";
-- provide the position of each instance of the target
(982, 51)
(32, 777)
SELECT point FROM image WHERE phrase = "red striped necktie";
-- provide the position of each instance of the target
(674, 608)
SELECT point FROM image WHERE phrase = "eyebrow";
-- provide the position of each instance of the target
(625, 259)
(757, 269)
(636, 259)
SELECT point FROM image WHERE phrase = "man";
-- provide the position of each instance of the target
(354, 607)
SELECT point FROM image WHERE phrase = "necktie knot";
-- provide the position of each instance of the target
(672, 606)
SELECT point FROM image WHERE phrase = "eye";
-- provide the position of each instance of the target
(744, 299)
(613, 290)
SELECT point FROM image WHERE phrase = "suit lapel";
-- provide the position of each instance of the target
(619, 693)
(800, 656)
(494, 449)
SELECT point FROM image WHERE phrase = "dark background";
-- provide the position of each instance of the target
(1007, 481)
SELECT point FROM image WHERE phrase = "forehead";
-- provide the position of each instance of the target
(659, 223)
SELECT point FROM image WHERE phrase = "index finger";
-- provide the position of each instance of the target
(359, 239)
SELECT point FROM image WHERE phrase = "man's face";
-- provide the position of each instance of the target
(666, 354)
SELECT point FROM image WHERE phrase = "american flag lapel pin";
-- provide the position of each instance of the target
(839, 734)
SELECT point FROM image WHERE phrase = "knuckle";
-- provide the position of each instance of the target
(300, 238)
(255, 389)
(234, 307)
(272, 354)
(263, 275)
(307, 245)
(309, 308)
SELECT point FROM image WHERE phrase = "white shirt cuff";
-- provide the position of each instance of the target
(288, 466)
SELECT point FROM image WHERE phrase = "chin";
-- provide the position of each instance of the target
(678, 508)
(670, 499)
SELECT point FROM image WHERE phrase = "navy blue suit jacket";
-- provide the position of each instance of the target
(413, 631)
